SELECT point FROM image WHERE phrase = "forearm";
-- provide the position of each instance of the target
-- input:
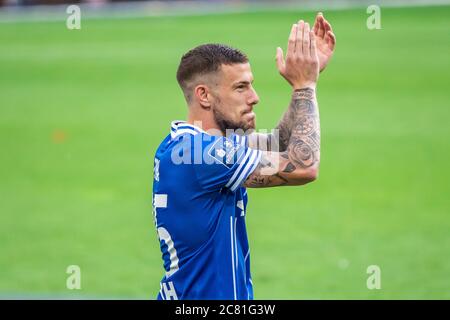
(278, 140)
(284, 127)
(300, 163)
(300, 129)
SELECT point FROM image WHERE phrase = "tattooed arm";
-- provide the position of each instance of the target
(326, 42)
(280, 140)
(299, 164)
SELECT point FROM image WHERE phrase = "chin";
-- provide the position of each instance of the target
(251, 124)
(248, 126)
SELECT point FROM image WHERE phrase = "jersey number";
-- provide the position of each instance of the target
(160, 201)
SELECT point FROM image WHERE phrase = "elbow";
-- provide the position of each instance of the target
(306, 176)
(312, 174)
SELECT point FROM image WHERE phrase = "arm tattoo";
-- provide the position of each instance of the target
(304, 141)
(302, 101)
(299, 141)
(259, 180)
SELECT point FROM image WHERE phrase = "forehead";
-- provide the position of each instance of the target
(236, 72)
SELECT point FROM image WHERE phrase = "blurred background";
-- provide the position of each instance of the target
(83, 111)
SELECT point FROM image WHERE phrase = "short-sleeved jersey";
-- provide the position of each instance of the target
(199, 210)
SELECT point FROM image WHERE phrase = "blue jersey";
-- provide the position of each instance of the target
(199, 210)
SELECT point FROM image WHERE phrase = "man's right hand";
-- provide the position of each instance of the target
(301, 65)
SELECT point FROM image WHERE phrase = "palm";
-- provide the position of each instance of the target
(324, 52)
(325, 41)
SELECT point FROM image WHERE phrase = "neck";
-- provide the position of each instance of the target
(203, 120)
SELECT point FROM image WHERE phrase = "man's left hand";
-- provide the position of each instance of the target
(325, 40)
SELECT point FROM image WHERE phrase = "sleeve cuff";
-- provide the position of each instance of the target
(245, 168)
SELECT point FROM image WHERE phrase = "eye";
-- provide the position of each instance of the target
(240, 87)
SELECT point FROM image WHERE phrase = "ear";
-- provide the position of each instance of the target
(203, 95)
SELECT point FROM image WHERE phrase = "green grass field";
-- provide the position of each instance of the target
(82, 112)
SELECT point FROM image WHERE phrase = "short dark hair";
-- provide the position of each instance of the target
(206, 58)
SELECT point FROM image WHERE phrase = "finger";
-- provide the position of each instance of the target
(327, 25)
(306, 40)
(313, 46)
(330, 39)
(300, 27)
(280, 60)
(316, 23)
(292, 40)
(321, 28)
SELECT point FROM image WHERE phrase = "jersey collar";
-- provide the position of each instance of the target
(179, 127)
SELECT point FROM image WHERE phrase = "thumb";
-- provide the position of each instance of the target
(280, 59)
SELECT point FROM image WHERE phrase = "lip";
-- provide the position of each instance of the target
(250, 114)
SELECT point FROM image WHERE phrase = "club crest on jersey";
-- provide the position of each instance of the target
(226, 152)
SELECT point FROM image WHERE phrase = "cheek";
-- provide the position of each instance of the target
(240, 102)
(233, 105)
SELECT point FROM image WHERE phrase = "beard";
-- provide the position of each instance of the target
(225, 123)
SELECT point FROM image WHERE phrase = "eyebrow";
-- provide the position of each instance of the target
(242, 82)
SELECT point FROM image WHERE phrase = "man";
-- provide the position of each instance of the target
(201, 170)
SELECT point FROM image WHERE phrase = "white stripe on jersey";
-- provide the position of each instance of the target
(250, 166)
(235, 243)
(235, 174)
(232, 257)
(182, 131)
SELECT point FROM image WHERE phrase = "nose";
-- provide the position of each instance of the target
(253, 99)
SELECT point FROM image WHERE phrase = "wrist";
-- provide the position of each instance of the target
(307, 93)
(305, 85)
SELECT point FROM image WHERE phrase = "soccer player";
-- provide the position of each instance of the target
(201, 170)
